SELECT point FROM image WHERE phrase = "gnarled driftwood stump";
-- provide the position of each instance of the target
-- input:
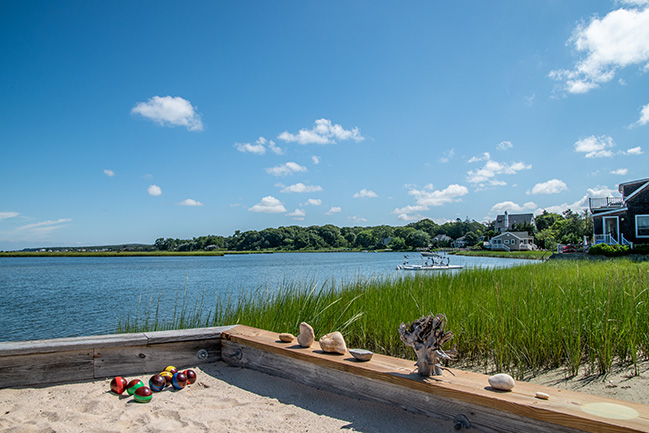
(427, 336)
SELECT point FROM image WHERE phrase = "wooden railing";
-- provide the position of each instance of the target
(605, 203)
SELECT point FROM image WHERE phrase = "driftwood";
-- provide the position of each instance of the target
(427, 336)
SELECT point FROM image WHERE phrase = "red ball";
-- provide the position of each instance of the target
(157, 383)
(191, 376)
(143, 394)
(118, 385)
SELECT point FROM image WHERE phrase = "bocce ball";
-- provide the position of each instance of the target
(133, 386)
(167, 376)
(179, 381)
(191, 376)
(118, 385)
(171, 369)
(143, 394)
(157, 383)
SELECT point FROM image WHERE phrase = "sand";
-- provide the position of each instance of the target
(229, 399)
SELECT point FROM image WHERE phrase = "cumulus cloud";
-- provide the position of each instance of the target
(257, 149)
(315, 159)
(300, 187)
(607, 44)
(190, 202)
(620, 171)
(324, 132)
(644, 117)
(446, 156)
(552, 186)
(154, 190)
(109, 173)
(486, 176)
(286, 169)
(510, 206)
(268, 204)
(7, 215)
(408, 213)
(635, 151)
(297, 214)
(334, 209)
(504, 145)
(312, 202)
(595, 147)
(365, 193)
(429, 196)
(170, 111)
(357, 219)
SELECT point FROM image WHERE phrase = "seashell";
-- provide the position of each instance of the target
(542, 395)
(286, 337)
(361, 354)
(333, 343)
(503, 382)
(306, 337)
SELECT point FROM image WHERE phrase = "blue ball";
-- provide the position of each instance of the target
(179, 381)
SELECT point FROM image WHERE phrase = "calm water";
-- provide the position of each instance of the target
(52, 297)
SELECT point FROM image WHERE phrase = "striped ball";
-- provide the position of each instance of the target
(143, 394)
(179, 381)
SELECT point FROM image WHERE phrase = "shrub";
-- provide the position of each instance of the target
(640, 249)
(608, 250)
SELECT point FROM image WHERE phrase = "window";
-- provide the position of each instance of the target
(513, 241)
(507, 241)
(642, 226)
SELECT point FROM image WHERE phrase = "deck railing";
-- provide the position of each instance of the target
(605, 203)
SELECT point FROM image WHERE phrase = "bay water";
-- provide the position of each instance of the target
(53, 297)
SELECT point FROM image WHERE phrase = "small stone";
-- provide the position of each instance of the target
(306, 337)
(361, 354)
(542, 395)
(503, 382)
(333, 343)
(286, 337)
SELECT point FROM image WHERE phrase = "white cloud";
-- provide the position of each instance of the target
(333, 210)
(300, 187)
(635, 151)
(428, 196)
(618, 40)
(286, 169)
(324, 132)
(406, 213)
(552, 186)
(7, 215)
(257, 149)
(620, 171)
(315, 159)
(486, 176)
(510, 206)
(190, 202)
(447, 155)
(268, 204)
(357, 219)
(297, 214)
(170, 111)
(644, 117)
(364, 193)
(43, 227)
(595, 147)
(312, 202)
(271, 145)
(504, 145)
(154, 190)
(109, 173)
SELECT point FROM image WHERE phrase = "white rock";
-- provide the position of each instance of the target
(361, 354)
(503, 382)
(542, 395)
(306, 337)
(286, 337)
(333, 343)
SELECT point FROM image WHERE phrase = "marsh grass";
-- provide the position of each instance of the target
(523, 319)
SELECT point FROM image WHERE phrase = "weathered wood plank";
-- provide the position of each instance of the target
(10, 348)
(46, 368)
(186, 334)
(113, 361)
(565, 408)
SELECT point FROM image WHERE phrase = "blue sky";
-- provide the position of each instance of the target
(128, 121)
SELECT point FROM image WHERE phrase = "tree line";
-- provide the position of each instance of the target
(549, 229)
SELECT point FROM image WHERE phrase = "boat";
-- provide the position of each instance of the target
(428, 264)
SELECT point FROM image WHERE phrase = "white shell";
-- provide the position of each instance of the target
(333, 343)
(361, 354)
(503, 382)
(542, 395)
(306, 337)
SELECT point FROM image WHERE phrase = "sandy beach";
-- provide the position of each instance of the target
(230, 399)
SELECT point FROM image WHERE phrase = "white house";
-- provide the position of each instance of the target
(512, 241)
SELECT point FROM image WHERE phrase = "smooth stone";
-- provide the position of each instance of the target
(333, 343)
(361, 354)
(542, 395)
(286, 337)
(503, 382)
(307, 336)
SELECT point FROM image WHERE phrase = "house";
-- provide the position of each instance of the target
(512, 241)
(508, 221)
(459, 242)
(622, 220)
(442, 239)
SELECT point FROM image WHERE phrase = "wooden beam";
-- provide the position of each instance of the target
(447, 396)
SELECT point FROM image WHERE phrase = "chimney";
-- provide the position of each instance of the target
(506, 221)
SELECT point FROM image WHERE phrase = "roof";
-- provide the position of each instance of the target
(637, 191)
(621, 186)
(519, 235)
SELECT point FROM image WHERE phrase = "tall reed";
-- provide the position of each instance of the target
(523, 319)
